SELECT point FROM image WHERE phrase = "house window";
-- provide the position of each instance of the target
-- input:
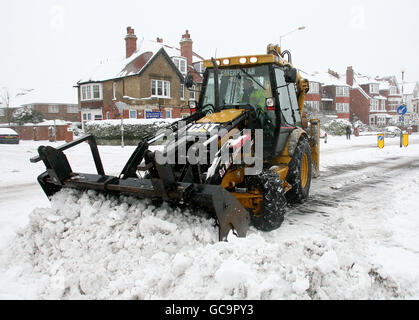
(383, 104)
(313, 87)
(168, 113)
(381, 121)
(160, 88)
(373, 105)
(72, 109)
(1, 112)
(91, 92)
(182, 91)
(342, 91)
(342, 107)
(372, 121)
(133, 114)
(98, 117)
(108, 115)
(52, 108)
(192, 93)
(374, 88)
(393, 90)
(313, 105)
(114, 90)
(180, 63)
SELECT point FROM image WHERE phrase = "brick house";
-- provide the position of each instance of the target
(148, 83)
(415, 101)
(374, 101)
(330, 92)
(52, 108)
(313, 97)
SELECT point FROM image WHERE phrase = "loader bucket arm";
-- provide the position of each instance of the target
(230, 214)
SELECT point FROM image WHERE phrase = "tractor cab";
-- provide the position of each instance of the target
(260, 84)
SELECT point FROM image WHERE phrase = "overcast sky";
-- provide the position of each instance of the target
(53, 43)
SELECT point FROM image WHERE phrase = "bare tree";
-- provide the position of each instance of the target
(5, 102)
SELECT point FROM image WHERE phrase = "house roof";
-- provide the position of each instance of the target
(325, 78)
(54, 94)
(409, 87)
(133, 65)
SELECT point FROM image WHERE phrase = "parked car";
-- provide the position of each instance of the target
(8, 135)
(392, 131)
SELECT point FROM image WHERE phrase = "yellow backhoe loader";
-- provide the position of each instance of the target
(243, 153)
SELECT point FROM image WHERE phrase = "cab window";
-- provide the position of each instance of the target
(285, 102)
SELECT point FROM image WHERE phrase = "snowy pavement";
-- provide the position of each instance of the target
(355, 238)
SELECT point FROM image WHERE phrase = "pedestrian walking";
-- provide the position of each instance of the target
(348, 132)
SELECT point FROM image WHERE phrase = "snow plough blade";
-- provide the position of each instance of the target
(230, 214)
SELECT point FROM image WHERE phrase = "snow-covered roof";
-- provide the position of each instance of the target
(325, 78)
(54, 94)
(114, 69)
(362, 79)
(379, 97)
(409, 87)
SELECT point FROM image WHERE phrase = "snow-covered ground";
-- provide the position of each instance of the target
(355, 238)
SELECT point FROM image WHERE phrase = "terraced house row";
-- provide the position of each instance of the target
(356, 96)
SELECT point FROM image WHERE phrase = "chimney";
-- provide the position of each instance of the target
(186, 47)
(159, 40)
(130, 42)
(350, 76)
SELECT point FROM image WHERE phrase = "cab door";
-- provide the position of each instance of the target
(289, 115)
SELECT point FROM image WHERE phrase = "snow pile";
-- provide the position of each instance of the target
(92, 246)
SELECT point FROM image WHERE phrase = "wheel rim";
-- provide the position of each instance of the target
(304, 170)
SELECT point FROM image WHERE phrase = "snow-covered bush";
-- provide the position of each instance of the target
(135, 130)
(337, 127)
(361, 126)
(27, 115)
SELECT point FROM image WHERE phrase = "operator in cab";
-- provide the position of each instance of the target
(255, 97)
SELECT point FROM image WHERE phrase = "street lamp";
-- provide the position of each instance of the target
(280, 38)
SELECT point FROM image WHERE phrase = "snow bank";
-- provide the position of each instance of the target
(92, 246)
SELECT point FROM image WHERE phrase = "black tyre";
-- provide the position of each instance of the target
(272, 213)
(299, 173)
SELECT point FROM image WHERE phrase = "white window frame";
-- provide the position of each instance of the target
(383, 104)
(114, 90)
(374, 105)
(2, 113)
(72, 109)
(87, 91)
(181, 64)
(53, 108)
(381, 120)
(108, 115)
(374, 88)
(342, 91)
(393, 90)
(342, 107)
(164, 86)
(192, 93)
(182, 91)
(313, 87)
